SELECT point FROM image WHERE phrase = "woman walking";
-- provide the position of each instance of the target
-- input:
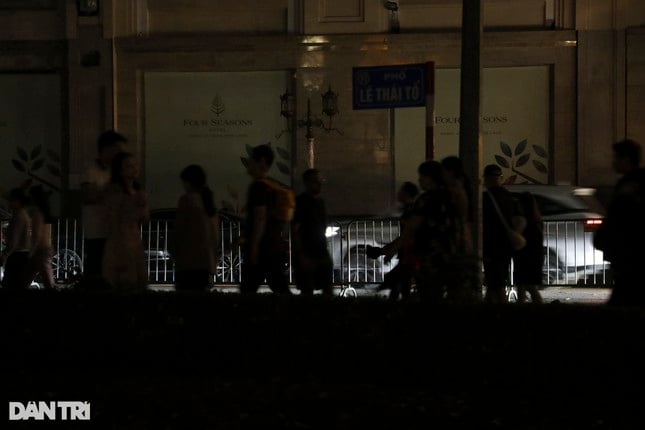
(528, 261)
(430, 236)
(126, 208)
(466, 271)
(196, 233)
(40, 257)
(15, 257)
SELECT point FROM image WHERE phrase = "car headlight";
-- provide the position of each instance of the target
(331, 231)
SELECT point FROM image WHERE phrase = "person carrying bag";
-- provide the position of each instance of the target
(500, 240)
(515, 238)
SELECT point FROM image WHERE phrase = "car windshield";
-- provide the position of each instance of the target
(552, 207)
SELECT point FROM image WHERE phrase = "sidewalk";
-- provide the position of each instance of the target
(592, 296)
(576, 295)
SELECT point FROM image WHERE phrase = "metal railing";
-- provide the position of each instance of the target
(358, 235)
(68, 248)
(570, 258)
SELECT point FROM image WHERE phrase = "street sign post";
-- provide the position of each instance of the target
(399, 86)
(386, 87)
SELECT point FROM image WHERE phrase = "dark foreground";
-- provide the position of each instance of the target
(168, 361)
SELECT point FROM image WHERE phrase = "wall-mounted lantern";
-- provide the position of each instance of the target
(87, 7)
(287, 107)
(329, 108)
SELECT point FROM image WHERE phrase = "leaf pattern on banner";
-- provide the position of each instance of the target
(54, 170)
(520, 147)
(540, 151)
(53, 155)
(283, 153)
(283, 168)
(37, 164)
(245, 161)
(22, 154)
(502, 161)
(36, 152)
(523, 160)
(540, 167)
(18, 165)
(506, 149)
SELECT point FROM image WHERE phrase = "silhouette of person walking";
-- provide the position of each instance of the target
(196, 233)
(18, 242)
(126, 208)
(429, 238)
(465, 285)
(265, 249)
(40, 258)
(529, 260)
(497, 247)
(313, 264)
(622, 235)
(462, 194)
(93, 186)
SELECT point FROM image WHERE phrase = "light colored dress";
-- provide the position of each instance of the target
(41, 253)
(124, 260)
(94, 216)
(461, 203)
(196, 235)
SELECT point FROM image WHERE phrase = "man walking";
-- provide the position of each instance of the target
(622, 234)
(498, 202)
(265, 244)
(313, 264)
(94, 182)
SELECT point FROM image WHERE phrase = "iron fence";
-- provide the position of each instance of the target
(68, 249)
(570, 258)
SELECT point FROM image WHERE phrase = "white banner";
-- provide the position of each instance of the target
(515, 124)
(31, 132)
(212, 119)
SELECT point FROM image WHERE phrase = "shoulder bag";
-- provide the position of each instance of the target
(516, 240)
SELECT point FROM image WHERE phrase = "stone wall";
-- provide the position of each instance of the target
(359, 162)
(635, 84)
(597, 73)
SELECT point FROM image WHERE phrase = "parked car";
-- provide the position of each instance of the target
(571, 215)
(348, 240)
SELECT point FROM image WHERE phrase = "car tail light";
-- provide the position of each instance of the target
(592, 224)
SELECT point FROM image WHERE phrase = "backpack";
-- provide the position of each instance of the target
(283, 204)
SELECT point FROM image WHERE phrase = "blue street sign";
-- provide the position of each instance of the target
(389, 86)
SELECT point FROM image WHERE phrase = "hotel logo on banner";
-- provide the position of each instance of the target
(217, 125)
(217, 107)
(386, 87)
